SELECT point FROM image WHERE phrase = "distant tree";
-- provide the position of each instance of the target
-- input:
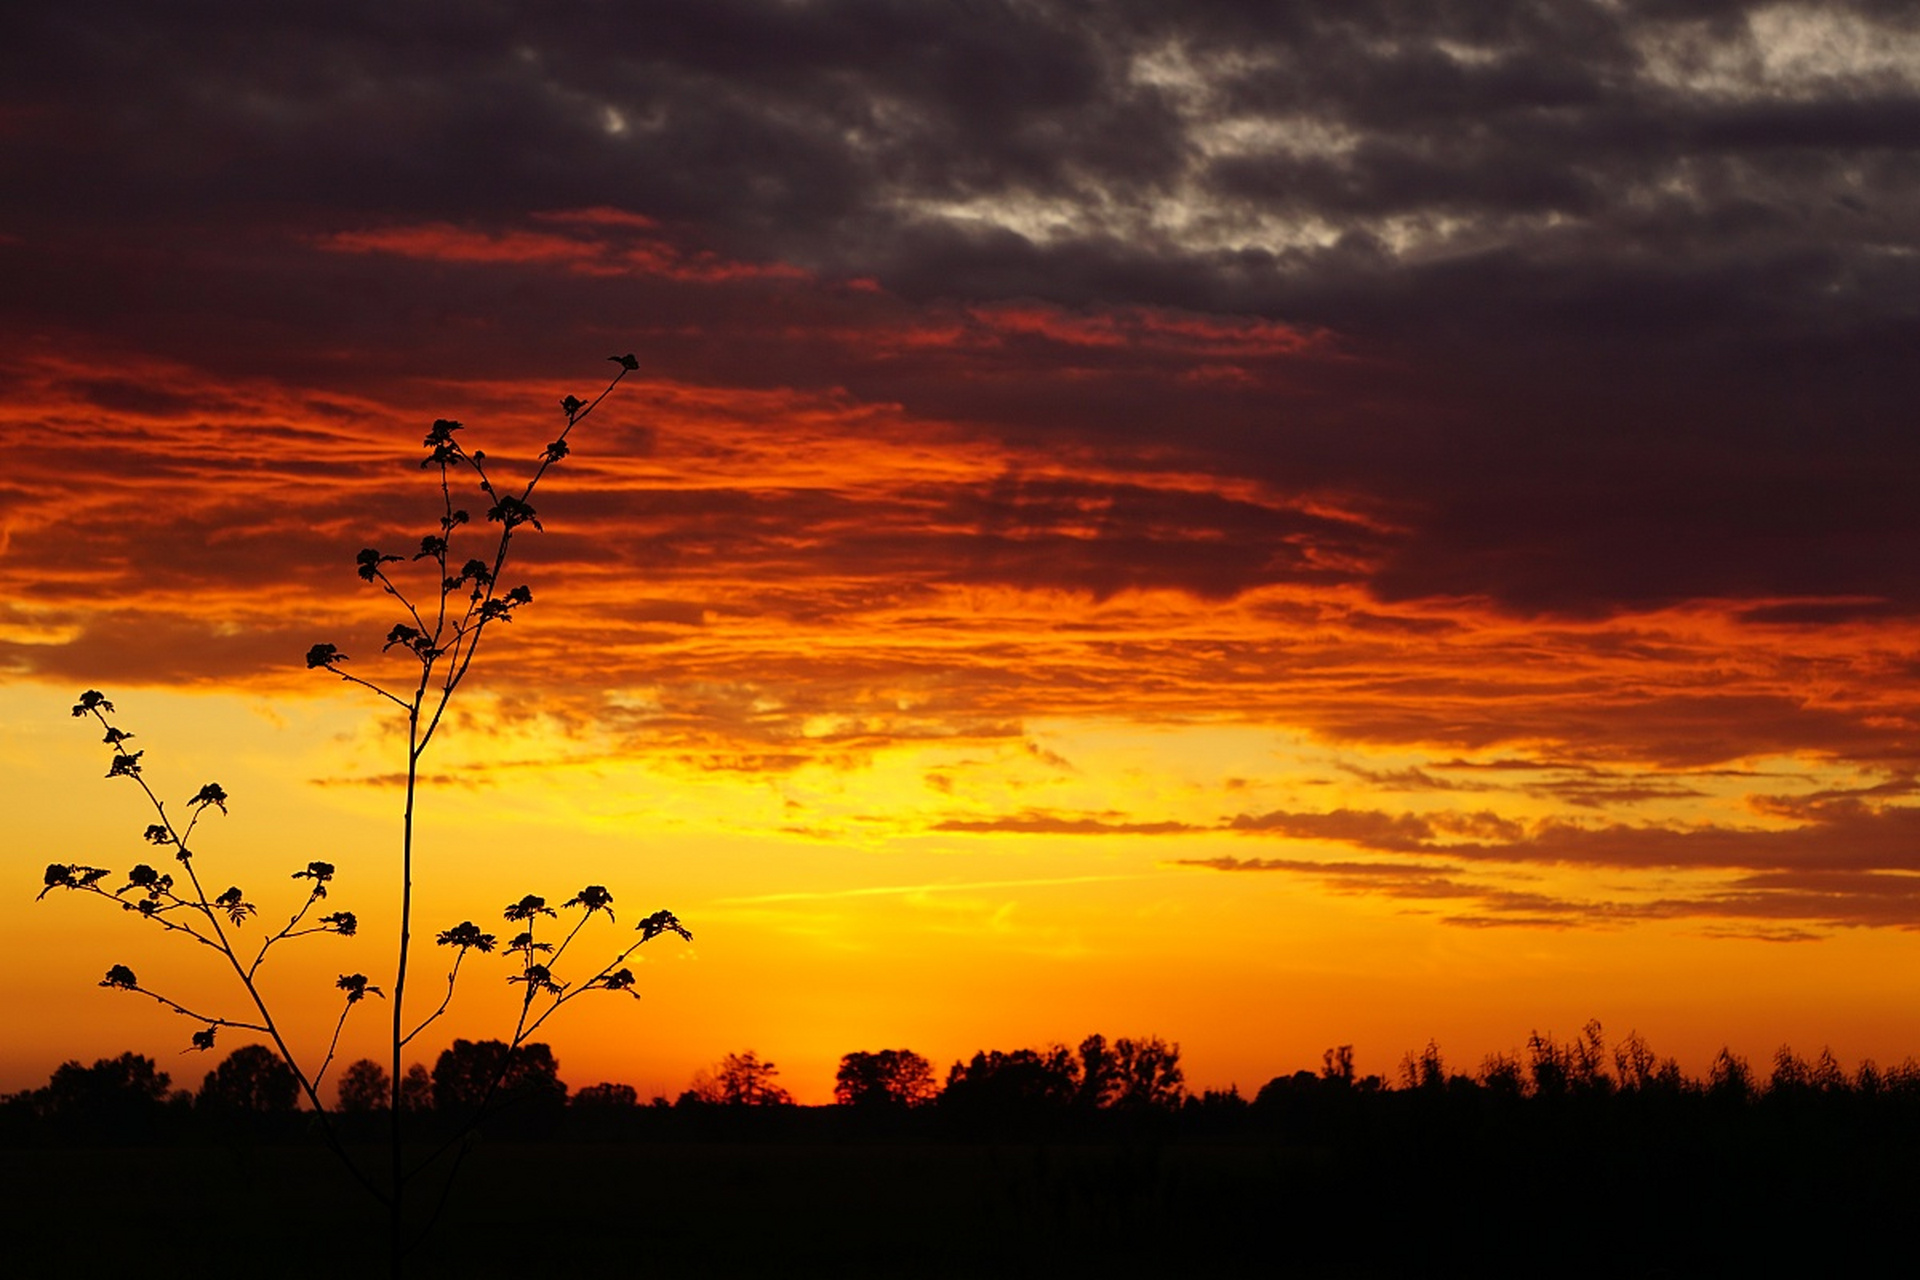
(1827, 1075)
(740, 1080)
(1282, 1090)
(251, 1078)
(1634, 1061)
(416, 1088)
(1225, 1101)
(1099, 1073)
(1149, 1074)
(1730, 1078)
(1500, 1075)
(1012, 1086)
(114, 1094)
(1549, 1066)
(1903, 1077)
(887, 1078)
(471, 1074)
(1587, 1061)
(1424, 1070)
(1791, 1074)
(1336, 1065)
(606, 1097)
(365, 1088)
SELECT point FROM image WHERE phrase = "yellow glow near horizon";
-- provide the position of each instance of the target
(847, 904)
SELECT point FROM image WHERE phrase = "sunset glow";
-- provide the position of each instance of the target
(1292, 579)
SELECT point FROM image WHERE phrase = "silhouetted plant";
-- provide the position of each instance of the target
(435, 642)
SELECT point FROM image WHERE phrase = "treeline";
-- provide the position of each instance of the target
(1094, 1089)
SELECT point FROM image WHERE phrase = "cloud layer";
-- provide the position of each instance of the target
(1514, 398)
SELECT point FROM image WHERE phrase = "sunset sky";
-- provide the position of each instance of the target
(1267, 524)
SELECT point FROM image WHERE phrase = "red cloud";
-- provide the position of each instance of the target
(591, 242)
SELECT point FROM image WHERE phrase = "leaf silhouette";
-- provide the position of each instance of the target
(594, 898)
(369, 561)
(324, 655)
(466, 934)
(528, 907)
(92, 701)
(355, 985)
(231, 902)
(662, 922)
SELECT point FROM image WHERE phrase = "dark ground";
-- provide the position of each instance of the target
(1194, 1207)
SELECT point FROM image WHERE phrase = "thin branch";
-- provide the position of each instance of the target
(182, 1010)
(452, 975)
(333, 1045)
(288, 932)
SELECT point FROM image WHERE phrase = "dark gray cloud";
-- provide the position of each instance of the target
(1624, 292)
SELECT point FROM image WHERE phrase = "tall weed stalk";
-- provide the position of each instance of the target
(438, 636)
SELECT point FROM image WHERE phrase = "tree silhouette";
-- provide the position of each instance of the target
(1148, 1074)
(1730, 1078)
(416, 1089)
(606, 1096)
(117, 1097)
(740, 1080)
(1014, 1088)
(1099, 1075)
(470, 1076)
(252, 1078)
(889, 1078)
(1336, 1064)
(365, 1088)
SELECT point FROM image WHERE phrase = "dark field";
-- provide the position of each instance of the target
(1744, 1204)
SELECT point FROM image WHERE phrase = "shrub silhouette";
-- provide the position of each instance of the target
(430, 650)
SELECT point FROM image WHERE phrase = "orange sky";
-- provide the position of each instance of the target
(1024, 591)
(833, 685)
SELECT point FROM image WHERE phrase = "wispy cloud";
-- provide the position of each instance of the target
(918, 890)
